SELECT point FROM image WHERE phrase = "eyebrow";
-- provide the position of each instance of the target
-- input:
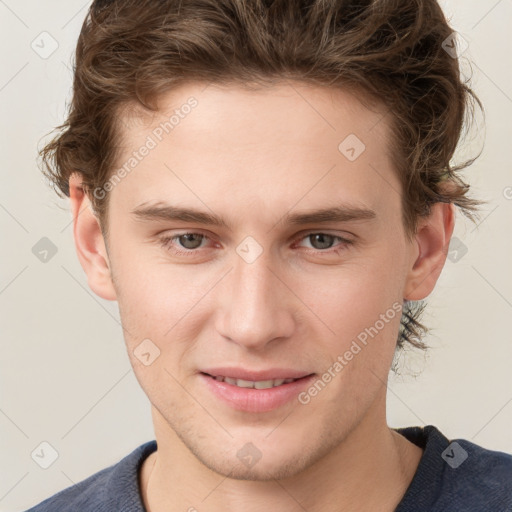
(167, 212)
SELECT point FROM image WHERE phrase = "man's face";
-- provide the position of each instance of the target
(260, 294)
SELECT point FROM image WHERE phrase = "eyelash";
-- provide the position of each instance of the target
(165, 243)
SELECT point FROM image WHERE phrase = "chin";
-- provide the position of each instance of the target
(274, 463)
(260, 472)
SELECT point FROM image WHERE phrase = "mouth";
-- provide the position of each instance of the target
(253, 384)
(255, 392)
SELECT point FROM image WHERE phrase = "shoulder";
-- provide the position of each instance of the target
(483, 473)
(113, 488)
(457, 474)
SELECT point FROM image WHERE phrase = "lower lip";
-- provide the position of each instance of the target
(256, 400)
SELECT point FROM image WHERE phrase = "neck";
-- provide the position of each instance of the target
(370, 470)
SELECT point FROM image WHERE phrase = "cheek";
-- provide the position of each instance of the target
(152, 288)
(354, 296)
(155, 295)
(363, 309)
(362, 305)
(165, 304)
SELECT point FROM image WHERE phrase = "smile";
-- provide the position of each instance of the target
(263, 394)
(253, 384)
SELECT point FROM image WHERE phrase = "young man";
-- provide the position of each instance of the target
(265, 189)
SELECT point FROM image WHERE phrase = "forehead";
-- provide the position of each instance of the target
(262, 110)
(267, 147)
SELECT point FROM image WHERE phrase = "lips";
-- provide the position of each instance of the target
(256, 375)
(255, 391)
(251, 384)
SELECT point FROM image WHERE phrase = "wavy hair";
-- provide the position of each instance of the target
(129, 52)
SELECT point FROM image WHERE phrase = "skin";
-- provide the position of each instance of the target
(252, 157)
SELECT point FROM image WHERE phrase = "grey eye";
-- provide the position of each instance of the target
(189, 242)
(324, 240)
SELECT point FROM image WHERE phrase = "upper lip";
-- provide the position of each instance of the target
(256, 375)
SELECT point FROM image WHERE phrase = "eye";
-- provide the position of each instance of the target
(188, 243)
(322, 241)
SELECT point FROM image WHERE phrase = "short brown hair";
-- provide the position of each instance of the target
(131, 51)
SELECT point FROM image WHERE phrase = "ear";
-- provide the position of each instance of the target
(432, 239)
(89, 242)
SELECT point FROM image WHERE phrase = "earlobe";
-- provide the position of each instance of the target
(89, 242)
(432, 239)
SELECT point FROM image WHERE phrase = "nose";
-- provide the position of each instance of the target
(257, 306)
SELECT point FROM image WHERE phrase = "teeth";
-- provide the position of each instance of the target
(244, 383)
(266, 384)
(259, 384)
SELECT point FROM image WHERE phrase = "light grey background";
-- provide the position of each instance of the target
(65, 376)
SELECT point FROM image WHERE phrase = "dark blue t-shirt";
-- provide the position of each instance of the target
(452, 476)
